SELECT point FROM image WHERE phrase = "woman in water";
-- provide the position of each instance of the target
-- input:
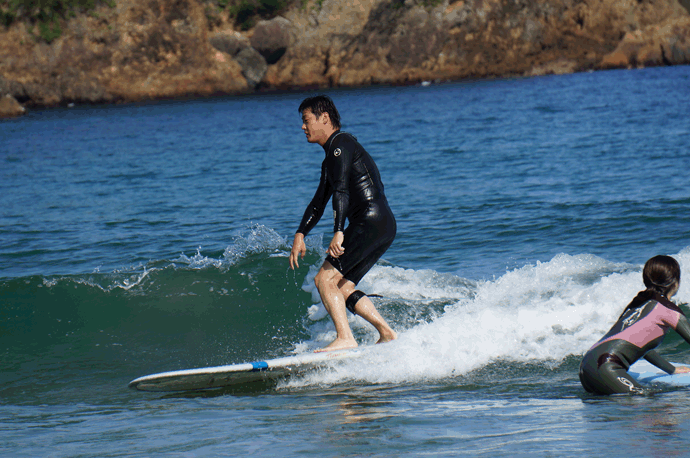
(639, 330)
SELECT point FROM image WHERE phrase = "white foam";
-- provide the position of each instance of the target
(256, 239)
(396, 282)
(537, 313)
(199, 261)
(259, 239)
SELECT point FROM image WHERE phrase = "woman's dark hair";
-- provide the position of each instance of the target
(321, 104)
(661, 274)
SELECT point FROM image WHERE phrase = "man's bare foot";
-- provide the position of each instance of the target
(387, 336)
(338, 344)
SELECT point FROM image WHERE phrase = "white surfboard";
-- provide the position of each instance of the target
(235, 374)
(647, 373)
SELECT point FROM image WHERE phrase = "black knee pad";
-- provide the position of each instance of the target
(353, 299)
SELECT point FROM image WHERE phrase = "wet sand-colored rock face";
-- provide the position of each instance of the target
(153, 49)
(10, 108)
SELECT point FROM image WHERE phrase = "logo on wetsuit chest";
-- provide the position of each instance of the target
(337, 152)
(632, 318)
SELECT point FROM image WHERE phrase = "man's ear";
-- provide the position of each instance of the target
(325, 118)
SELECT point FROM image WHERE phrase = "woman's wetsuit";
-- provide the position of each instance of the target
(349, 174)
(639, 330)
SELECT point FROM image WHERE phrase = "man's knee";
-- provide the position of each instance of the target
(325, 276)
(318, 279)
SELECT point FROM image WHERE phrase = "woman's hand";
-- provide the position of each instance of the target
(336, 249)
(681, 370)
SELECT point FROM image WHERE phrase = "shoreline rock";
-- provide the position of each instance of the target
(10, 108)
(132, 53)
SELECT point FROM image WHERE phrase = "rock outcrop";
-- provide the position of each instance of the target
(667, 45)
(10, 108)
(238, 48)
(253, 65)
(272, 38)
(174, 48)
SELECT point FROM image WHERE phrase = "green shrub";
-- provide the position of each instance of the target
(7, 16)
(46, 14)
(247, 12)
(49, 30)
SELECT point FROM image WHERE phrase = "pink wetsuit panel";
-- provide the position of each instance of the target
(652, 326)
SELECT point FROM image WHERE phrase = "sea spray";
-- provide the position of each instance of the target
(210, 309)
(537, 314)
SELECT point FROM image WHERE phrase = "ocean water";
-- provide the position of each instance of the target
(145, 238)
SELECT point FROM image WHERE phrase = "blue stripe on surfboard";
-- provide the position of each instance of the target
(259, 366)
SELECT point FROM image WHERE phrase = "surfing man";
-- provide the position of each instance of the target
(350, 176)
(639, 330)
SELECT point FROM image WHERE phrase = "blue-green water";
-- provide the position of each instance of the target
(143, 238)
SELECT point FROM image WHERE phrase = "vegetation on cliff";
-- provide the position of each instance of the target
(247, 12)
(46, 14)
(56, 52)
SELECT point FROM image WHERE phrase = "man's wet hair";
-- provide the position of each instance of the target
(321, 104)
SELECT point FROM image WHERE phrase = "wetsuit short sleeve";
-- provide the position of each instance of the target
(339, 159)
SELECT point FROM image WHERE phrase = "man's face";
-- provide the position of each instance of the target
(314, 128)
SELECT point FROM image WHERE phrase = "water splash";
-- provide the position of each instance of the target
(540, 313)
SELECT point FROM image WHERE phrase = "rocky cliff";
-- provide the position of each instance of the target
(151, 49)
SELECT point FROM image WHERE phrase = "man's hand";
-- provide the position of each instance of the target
(336, 249)
(681, 370)
(299, 249)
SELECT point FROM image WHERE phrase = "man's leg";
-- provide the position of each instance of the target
(366, 309)
(327, 283)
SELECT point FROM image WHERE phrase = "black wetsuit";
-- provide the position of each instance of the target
(349, 174)
(638, 331)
